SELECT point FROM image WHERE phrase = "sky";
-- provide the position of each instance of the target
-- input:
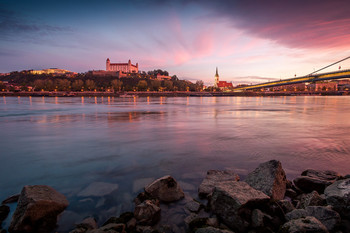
(249, 41)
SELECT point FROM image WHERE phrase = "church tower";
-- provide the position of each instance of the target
(216, 78)
(108, 64)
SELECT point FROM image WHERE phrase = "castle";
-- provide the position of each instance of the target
(222, 85)
(123, 67)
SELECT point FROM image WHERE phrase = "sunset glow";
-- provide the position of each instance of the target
(250, 41)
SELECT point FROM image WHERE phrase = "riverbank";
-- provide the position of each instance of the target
(166, 94)
(265, 201)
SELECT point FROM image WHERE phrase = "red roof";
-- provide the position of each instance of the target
(224, 84)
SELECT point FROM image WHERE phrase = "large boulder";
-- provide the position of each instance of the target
(37, 209)
(213, 178)
(166, 189)
(311, 180)
(306, 225)
(230, 200)
(328, 217)
(338, 196)
(269, 178)
(296, 214)
(147, 213)
(4, 211)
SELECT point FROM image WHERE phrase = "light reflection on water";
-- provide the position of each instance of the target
(69, 143)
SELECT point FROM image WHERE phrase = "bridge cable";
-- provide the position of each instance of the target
(329, 65)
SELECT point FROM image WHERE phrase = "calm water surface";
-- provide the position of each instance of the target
(71, 143)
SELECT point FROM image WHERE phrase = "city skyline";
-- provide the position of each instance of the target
(249, 41)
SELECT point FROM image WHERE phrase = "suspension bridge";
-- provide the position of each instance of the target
(312, 77)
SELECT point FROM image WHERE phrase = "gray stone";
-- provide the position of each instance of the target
(257, 218)
(325, 215)
(311, 199)
(296, 214)
(322, 174)
(88, 223)
(291, 193)
(213, 222)
(269, 178)
(147, 213)
(338, 196)
(212, 230)
(304, 225)
(37, 209)
(311, 180)
(286, 205)
(166, 189)
(193, 206)
(98, 189)
(231, 197)
(213, 178)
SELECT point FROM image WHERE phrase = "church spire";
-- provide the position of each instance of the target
(217, 74)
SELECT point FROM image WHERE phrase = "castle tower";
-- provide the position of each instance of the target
(216, 78)
(129, 66)
(108, 64)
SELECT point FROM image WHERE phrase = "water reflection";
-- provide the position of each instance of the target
(70, 143)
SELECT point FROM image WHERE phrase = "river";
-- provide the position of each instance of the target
(70, 143)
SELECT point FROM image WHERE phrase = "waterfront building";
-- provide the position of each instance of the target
(123, 67)
(222, 85)
(163, 77)
(53, 71)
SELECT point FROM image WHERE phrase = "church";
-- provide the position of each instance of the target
(122, 67)
(222, 85)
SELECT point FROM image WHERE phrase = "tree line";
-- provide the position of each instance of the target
(87, 82)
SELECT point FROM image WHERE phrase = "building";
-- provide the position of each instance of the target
(222, 85)
(123, 67)
(163, 77)
(54, 72)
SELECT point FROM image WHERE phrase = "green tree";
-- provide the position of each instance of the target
(117, 84)
(77, 85)
(90, 84)
(142, 85)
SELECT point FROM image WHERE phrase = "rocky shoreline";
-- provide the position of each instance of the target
(265, 201)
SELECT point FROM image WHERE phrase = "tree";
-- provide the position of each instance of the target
(38, 85)
(63, 84)
(168, 85)
(90, 84)
(117, 84)
(199, 85)
(77, 85)
(142, 85)
(49, 85)
(155, 85)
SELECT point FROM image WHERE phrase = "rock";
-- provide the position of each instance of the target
(338, 196)
(323, 175)
(296, 214)
(212, 230)
(144, 229)
(193, 206)
(257, 218)
(347, 176)
(213, 222)
(190, 218)
(328, 217)
(89, 223)
(123, 218)
(291, 193)
(311, 199)
(37, 209)
(269, 178)
(166, 189)
(110, 228)
(308, 225)
(213, 178)
(231, 198)
(4, 211)
(131, 224)
(198, 223)
(147, 213)
(311, 180)
(98, 189)
(11, 199)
